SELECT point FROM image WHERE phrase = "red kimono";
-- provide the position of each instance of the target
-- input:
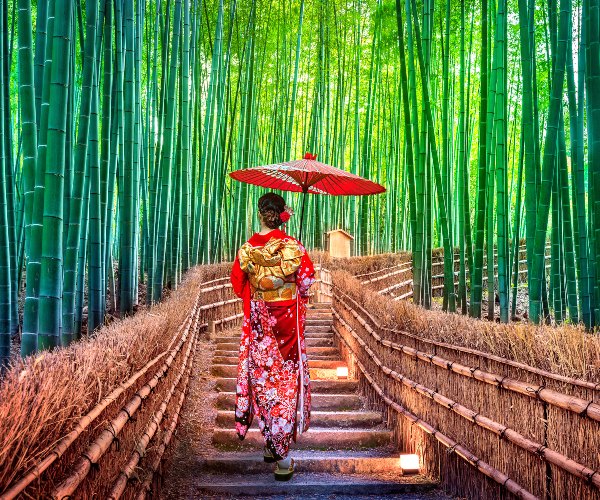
(272, 273)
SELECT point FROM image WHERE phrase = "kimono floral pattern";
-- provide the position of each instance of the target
(274, 389)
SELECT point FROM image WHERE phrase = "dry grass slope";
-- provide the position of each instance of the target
(43, 397)
(565, 350)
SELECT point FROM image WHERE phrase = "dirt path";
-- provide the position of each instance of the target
(194, 434)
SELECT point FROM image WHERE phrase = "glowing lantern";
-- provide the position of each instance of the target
(409, 464)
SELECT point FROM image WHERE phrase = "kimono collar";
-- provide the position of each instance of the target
(258, 240)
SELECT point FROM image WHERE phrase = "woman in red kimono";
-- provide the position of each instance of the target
(272, 274)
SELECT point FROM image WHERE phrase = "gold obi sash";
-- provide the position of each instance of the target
(271, 268)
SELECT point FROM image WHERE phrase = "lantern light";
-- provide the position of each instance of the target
(409, 464)
(342, 372)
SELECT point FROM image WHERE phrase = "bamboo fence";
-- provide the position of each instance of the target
(396, 280)
(117, 447)
(488, 427)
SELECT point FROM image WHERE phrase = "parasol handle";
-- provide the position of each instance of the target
(304, 191)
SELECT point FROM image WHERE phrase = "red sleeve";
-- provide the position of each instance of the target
(239, 279)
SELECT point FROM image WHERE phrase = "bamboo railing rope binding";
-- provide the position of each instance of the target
(494, 474)
(516, 364)
(99, 447)
(562, 461)
(582, 407)
(126, 473)
(64, 443)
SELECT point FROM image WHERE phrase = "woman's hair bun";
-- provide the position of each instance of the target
(270, 206)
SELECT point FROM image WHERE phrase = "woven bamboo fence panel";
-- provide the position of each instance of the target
(486, 426)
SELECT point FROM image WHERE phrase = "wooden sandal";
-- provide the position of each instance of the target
(268, 456)
(284, 474)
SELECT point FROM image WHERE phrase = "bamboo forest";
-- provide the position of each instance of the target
(121, 120)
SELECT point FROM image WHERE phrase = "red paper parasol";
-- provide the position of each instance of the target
(307, 176)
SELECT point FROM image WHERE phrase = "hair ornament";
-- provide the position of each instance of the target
(286, 214)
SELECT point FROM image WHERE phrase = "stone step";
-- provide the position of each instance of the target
(319, 484)
(316, 386)
(316, 438)
(319, 322)
(344, 419)
(320, 317)
(311, 332)
(312, 351)
(312, 362)
(318, 328)
(326, 357)
(323, 311)
(225, 360)
(226, 353)
(318, 305)
(315, 360)
(319, 341)
(323, 374)
(319, 402)
(228, 346)
(315, 373)
(322, 351)
(371, 461)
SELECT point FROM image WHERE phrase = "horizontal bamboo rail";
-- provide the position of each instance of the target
(216, 280)
(537, 449)
(216, 287)
(222, 321)
(574, 404)
(437, 262)
(229, 318)
(146, 485)
(537, 371)
(483, 467)
(98, 448)
(122, 479)
(388, 275)
(60, 448)
(214, 305)
(391, 288)
(404, 295)
(383, 269)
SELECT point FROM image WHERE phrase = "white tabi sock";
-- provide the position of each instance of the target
(285, 463)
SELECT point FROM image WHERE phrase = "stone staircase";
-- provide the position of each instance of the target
(347, 451)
